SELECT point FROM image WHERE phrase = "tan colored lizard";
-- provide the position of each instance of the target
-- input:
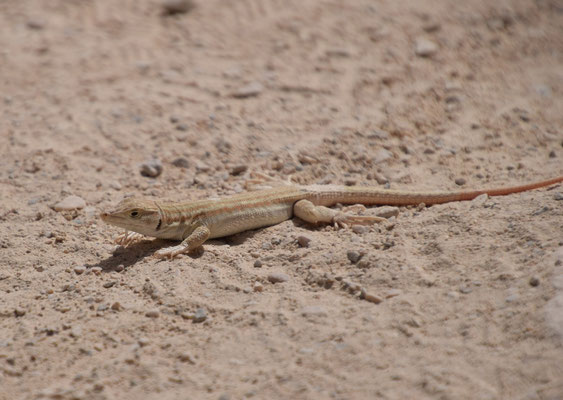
(194, 222)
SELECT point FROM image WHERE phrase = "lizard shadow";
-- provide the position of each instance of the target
(127, 256)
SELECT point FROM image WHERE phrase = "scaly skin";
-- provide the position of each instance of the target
(194, 222)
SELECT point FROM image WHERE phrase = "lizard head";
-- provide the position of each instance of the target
(137, 215)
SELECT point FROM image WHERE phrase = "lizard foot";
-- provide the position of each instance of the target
(343, 220)
(170, 252)
(127, 238)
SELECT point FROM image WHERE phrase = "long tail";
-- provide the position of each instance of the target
(331, 194)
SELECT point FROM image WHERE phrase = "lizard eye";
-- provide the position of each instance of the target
(134, 213)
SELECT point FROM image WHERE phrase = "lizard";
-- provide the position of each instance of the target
(194, 222)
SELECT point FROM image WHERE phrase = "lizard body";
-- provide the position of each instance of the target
(194, 222)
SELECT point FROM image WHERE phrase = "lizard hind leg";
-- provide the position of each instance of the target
(311, 213)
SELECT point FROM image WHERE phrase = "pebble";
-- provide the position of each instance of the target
(238, 169)
(76, 331)
(425, 48)
(181, 162)
(200, 315)
(258, 264)
(465, 289)
(107, 285)
(304, 241)
(96, 270)
(460, 181)
(258, 287)
(534, 281)
(79, 269)
(370, 297)
(480, 200)
(278, 277)
(558, 196)
(314, 311)
(354, 256)
(201, 166)
(116, 306)
(19, 312)
(360, 229)
(151, 168)
(143, 341)
(250, 90)
(171, 7)
(387, 211)
(552, 154)
(186, 357)
(154, 313)
(115, 185)
(70, 203)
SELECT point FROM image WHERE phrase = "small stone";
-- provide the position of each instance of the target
(460, 181)
(186, 357)
(19, 312)
(465, 289)
(181, 162)
(250, 90)
(425, 48)
(304, 241)
(182, 127)
(552, 154)
(70, 203)
(480, 200)
(314, 311)
(360, 229)
(172, 7)
(200, 315)
(534, 281)
(151, 168)
(35, 24)
(107, 285)
(76, 331)
(238, 169)
(115, 185)
(154, 313)
(96, 270)
(200, 166)
(354, 256)
(116, 306)
(78, 270)
(278, 277)
(370, 297)
(387, 211)
(558, 196)
(258, 264)
(143, 341)
(258, 287)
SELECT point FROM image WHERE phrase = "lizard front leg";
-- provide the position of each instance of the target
(193, 241)
(311, 213)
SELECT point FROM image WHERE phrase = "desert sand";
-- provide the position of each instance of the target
(461, 301)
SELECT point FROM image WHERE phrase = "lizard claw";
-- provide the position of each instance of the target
(127, 238)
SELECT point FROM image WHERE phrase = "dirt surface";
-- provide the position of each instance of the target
(420, 94)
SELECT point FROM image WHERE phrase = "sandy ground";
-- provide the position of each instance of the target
(419, 94)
